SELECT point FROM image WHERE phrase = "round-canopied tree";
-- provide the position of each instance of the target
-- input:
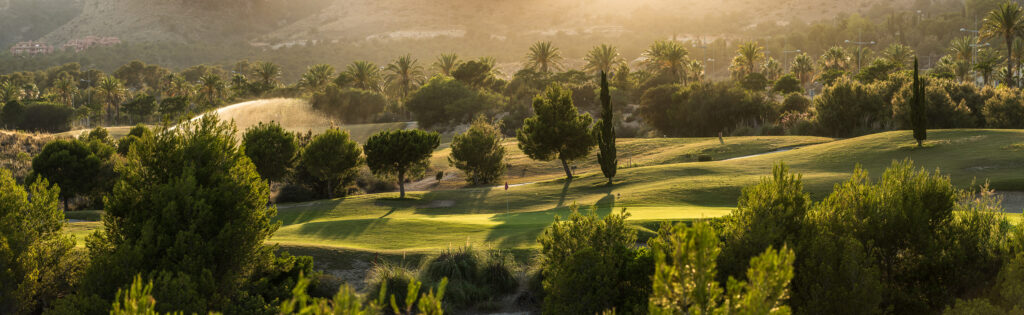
(331, 157)
(78, 167)
(395, 152)
(271, 148)
(479, 152)
(557, 129)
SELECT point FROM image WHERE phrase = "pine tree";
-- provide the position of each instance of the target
(604, 133)
(918, 114)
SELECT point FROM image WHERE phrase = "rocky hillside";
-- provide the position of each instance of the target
(284, 21)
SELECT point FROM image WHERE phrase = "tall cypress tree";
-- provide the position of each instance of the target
(918, 113)
(604, 133)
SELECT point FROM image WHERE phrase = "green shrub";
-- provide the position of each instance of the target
(795, 102)
(849, 108)
(394, 279)
(591, 265)
(1004, 110)
(475, 276)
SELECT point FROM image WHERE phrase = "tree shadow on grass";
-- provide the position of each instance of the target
(523, 228)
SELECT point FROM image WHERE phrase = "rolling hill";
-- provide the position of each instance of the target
(299, 21)
(669, 188)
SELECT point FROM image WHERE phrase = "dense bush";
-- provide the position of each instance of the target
(703, 109)
(795, 102)
(444, 102)
(42, 117)
(37, 260)
(189, 213)
(850, 108)
(787, 84)
(348, 105)
(134, 135)
(475, 277)
(592, 264)
(1004, 110)
(941, 111)
(908, 243)
(685, 276)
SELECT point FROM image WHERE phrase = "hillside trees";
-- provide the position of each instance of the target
(398, 152)
(271, 149)
(478, 152)
(331, 157)
(189, 213)
(557, 129)
(36, 259)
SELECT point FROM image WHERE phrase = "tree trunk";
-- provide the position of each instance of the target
(401, 184)
(1009, 58)
(568, 172)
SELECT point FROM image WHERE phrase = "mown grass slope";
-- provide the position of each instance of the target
(665, 186)
(675, 191)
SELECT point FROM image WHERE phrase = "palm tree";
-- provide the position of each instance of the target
(112, 91)
(772, 69)
(803, 68)
(694, 71)
(267, 72)
(666, 57)
(749, 55)
(834, 58)
(65, 89)
(1006, 21)
(211, 88)
(317, 77)
(860, 54)
(961, 47)
(446, 63)
(9, 92)
(543, 57)
(986, 63)
(405, 74)
(899, 55)
(364, 75)
(602, 58)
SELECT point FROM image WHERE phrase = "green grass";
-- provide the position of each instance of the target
(665, 187)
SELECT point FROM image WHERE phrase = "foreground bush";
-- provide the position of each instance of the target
(908, 243)
(591, 265)
(685, 276)
(475, 277)
(37, 264)
(190, 214)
